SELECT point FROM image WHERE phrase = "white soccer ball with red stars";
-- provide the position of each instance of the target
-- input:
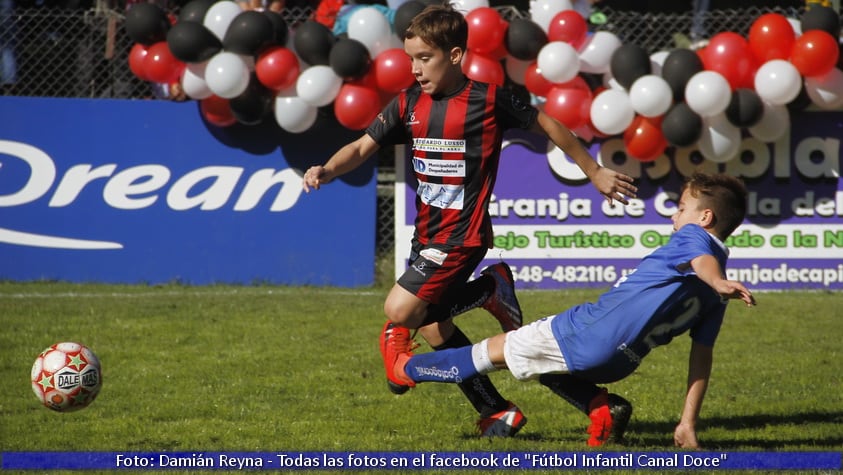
(66, 377)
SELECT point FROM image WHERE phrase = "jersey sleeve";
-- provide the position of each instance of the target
(513, 112)
(388, 128)
(691, 242)
(694, 242)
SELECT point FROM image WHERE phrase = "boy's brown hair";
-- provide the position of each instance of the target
(724, 195)
(440, 26)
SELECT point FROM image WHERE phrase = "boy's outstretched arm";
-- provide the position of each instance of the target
(347, 158)
(708, 270)
(699, 371)
(611, 184)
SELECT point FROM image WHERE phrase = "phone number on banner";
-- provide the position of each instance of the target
(568, 274)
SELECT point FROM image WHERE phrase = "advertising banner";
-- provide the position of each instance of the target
(145, 192)
(556, 231)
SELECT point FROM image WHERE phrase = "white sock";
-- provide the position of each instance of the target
(480, 357)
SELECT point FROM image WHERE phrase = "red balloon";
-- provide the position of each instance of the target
(728, 53)
(393, 70)
(137, 59)
(535, 82)
(480, 67)
(486, 29)
(771, 36)
(815, 53)
(356, 106)
(569, 105)
(217, 111)
(577, 83)
(277, 68)
(568, 26)
(644, 138)
(160, 65)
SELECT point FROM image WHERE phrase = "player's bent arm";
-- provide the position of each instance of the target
(699, 372)
(350, 156)
(347, 158)
(708, 270)
(611, 184)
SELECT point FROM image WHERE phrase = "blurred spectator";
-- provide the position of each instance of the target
(8, 59)
(699, 34)
(260, 5)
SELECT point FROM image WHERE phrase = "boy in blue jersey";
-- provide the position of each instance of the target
(679, 287)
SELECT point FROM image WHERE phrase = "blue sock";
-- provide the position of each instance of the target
(443, 366)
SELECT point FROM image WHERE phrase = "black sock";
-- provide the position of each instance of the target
(479, 390)
(573, 389)
(468, 297)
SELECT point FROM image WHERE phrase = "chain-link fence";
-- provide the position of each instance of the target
(61, 52)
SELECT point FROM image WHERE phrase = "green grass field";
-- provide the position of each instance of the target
(227, 368)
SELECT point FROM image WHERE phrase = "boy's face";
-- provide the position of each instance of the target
(437, 71)
(689, 212)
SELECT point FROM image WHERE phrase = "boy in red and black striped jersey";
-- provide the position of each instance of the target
(454, 126)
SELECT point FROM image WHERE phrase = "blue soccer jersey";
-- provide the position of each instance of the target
(605, 341)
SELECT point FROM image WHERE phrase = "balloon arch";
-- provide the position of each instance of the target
(246, 66)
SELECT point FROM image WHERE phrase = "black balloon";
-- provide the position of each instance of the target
(279, 28)
(677, 69)
(682, 126)
(628, 63)
(350, 59)
(313, 42)
(195, 11)
(253, 105)
(524, 39)
(192, 42)
(404, 14)
(147, 23)
(248, 33)
(745, 108)
(823, 18)
(801, 101)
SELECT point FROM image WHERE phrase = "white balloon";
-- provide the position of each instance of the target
(596, 53)
(778, 82)
(650, 96)
(558, 62)
(318, 85)
(611, 111)
(543, 11)
(193, 81)
(796, 24)
(465, 6)
(219, 16)
(774, 123)
(516, 69)
(657, 61)
(227, 75)
(720, 141)
(708, 93)
(610, 82)
(826, 91)
(370, 27)
(293, 114)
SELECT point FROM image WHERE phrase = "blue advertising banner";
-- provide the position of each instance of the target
(557, 231)
(146, 192)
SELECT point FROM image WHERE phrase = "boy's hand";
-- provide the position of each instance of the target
(686, 437)
(614, 185)
(732, 289)
(314, 177)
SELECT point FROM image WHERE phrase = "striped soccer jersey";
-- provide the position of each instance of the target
(455, 142)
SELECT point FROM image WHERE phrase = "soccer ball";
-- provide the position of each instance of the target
(66, 377)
